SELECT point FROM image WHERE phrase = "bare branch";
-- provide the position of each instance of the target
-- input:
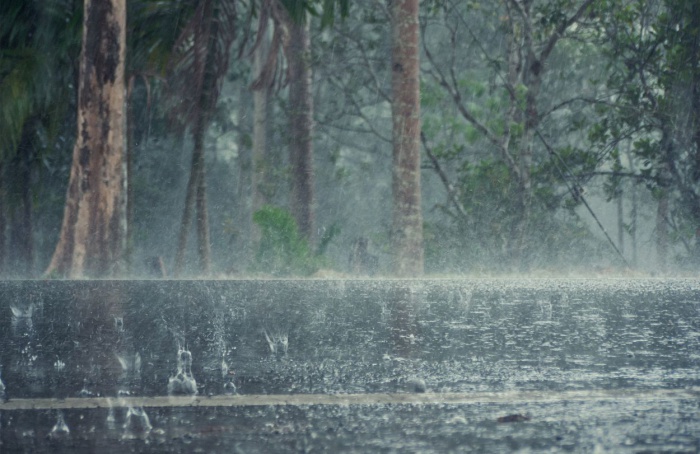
(440, 78)
(451, 190)
(559, 32)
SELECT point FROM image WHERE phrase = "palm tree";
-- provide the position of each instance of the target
(199, 63)
(39, 43)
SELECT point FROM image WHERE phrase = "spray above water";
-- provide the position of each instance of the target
(183, 382)
(22, 319)
(60, 429)
(278, 342)
(137, 422)
(2, 387)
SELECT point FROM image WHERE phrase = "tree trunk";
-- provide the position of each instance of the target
(192, 185)
(244, 184)
(91, 241)
(129, 185)
(259, 158)
(633, 227)
(196, 197)
(407, 228)
(662, 232)
(3, 220)
(301, 129)
(620, 224)
(21, 227)
(203, 243)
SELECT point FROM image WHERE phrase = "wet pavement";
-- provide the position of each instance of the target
(354, 366)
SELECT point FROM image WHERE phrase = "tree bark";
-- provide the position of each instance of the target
(301, 129)
(91, 241)
(407, 225)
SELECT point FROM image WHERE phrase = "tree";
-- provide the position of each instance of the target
(407, 230)
(200, 62)
(503, 89)
(653, 51)
(301, 128)
(39, 43)
(92, 234)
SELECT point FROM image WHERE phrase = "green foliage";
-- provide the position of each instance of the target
(298, 8)
(282, 250)
(654, 72)
(479, 242)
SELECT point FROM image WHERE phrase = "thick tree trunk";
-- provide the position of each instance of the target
(92, 235)
(407, 228)
(301, 129)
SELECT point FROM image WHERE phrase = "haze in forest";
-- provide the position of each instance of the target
(294, 138)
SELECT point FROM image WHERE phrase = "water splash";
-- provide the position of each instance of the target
(111, 417)
(131, 373)
(277, 342)
(22, 323)
(2, 387)
(183, 382)
(59, 365)
(85, 392)
(137, 420)
(60, 429)
(227, 375)
(119, 324)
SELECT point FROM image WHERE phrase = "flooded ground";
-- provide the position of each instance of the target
(486, 365)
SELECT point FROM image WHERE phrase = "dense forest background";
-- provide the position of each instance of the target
(556, 136)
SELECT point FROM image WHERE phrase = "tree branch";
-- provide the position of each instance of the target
(441, 79)
(451, 190)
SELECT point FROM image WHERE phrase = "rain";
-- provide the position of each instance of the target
(352, 226)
